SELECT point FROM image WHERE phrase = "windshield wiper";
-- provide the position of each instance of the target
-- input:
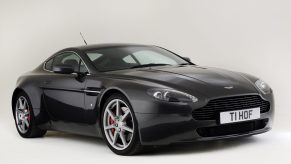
(149, 65)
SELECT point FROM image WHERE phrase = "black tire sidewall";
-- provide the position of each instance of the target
(135, 140)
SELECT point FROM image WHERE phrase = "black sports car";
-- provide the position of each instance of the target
(138, 95)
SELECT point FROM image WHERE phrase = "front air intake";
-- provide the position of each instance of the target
(212, 109)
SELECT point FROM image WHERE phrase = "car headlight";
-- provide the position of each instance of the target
(263, 86)
(171, 95)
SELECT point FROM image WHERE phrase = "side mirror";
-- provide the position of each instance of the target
(63, 69)
(187, 59)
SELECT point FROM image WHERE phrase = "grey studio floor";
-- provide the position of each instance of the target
(56, 147)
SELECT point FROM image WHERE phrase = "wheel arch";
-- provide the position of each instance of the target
(105, 95)
(35, 98)
(108, 92)
(14, 96)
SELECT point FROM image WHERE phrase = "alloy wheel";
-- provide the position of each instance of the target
(22, 115)
(118, 124)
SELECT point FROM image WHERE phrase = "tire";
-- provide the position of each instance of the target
(24, 118)
(121, 125)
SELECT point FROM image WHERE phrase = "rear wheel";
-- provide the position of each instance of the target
(24, 118)
(119, 126)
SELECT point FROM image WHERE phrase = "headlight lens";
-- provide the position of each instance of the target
(171, 95)
(263, 86)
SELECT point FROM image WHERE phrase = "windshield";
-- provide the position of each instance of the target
(129, 57)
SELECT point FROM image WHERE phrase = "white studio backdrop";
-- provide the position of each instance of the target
(251, 36)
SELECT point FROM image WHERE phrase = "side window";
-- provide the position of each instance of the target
(49, 64)
(94, 56)
(129, 59)
(69, 58)
(98, 59)
(83, 68)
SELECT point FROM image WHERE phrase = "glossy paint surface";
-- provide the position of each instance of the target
(70, 103)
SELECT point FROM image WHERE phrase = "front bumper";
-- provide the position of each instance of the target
(166, 128)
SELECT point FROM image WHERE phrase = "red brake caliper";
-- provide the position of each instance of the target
(28, 118)
(111, 121)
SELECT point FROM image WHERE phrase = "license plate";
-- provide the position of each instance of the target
(239, 115)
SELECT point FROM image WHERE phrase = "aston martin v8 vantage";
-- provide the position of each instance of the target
(138, 95)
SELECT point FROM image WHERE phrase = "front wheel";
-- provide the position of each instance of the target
(119, 126)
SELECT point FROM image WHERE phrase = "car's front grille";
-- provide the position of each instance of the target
(236, 128)
(212, 109)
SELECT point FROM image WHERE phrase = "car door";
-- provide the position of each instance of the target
(64, 93)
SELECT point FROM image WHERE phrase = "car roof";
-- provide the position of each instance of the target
(107, 45)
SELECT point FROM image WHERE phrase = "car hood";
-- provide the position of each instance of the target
(211, 82)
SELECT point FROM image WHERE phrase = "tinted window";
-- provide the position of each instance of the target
(70, 58)
(117, 58)
(83, 67)
(48, 64)
(94, 55)
(129, 59)
(147, 57)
